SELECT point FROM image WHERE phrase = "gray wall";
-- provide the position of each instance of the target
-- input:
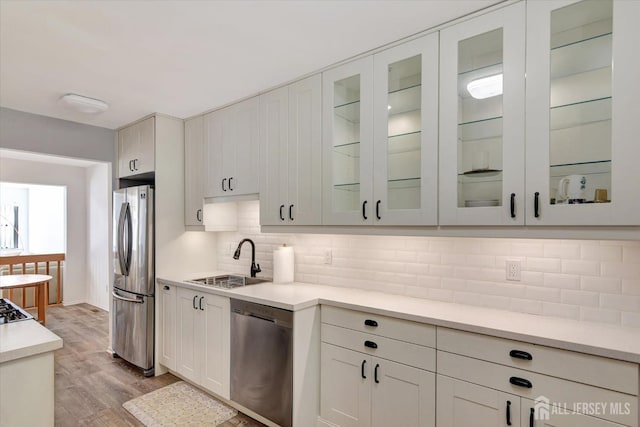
(46, 135)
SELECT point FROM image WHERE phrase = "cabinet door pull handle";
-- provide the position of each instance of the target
(135, 164)
(378, 210)
(519, 354)
(375, 373)
(531, 417)
(513, 205)
(362, 369)
(370, 322)
(291, 212)
(520, 382)
(508, 412)
(364, 210)
(166, 288)
(194, 302)
(223, 181)
(230, 189)
(281, 215)
(370, 344)
(200, 303)
(536, 204)
(199, 215)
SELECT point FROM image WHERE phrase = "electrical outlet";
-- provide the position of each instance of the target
(513, 268)
(327, 256)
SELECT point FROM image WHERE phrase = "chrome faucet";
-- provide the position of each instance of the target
(255, 268)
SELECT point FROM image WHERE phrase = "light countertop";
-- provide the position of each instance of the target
(26, 338)
(592, 338)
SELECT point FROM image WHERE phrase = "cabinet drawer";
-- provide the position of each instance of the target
(611, 405)
(594, 370)
(386, 348)
(375, 324)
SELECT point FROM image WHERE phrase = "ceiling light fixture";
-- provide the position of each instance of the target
(485, 87)
(84, 104)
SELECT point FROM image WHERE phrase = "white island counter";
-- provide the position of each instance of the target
(26, 369)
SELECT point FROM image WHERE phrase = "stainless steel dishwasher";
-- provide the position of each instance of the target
(262, 360)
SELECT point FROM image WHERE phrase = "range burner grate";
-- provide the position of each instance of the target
(10, 312)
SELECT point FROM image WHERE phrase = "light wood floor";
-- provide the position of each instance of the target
(90, 385)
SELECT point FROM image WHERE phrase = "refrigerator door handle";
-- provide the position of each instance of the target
(124, 257)
(121, 219)
(129, 238)
(137, 301)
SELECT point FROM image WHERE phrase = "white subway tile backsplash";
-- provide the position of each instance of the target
(525, 306)
(527, 248)
(538, 293)
(625, 270)
(631, 254)
(620, 302)
(561, 310)
(589, 268)
(592, 281)
(631, 286)
(550, 265)
(562, 250)
(600, 315)
(563, 281)
(601, 284)
(581, 298)
(601, 253)
(631, 319)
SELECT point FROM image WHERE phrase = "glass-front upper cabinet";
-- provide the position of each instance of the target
(582, 102)
(406, 133)
(347, 132)
(380, 121)
(482, 64)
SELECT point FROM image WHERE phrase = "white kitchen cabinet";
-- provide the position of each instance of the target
(193, 171)
(482, 130)
(461, 404)
(290, 154)
(380, 137)
(376, 377)
(346, 386)
(136, 148)
(582, 112)
(232, 150)
(168, 326)
(203, 340)
(481, 374)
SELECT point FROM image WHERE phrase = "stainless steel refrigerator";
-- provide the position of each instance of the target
(133, 278)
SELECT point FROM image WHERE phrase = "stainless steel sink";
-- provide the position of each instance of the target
(229, 281)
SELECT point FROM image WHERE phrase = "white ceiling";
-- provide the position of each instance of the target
(185, 57)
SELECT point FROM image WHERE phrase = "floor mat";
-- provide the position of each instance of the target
(179, 404)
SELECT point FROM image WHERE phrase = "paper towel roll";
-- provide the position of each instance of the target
(283, 260)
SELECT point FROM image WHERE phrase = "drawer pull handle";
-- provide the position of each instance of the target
(531, 417)
(375, 373)
(370, 322)
(519, 354)
(508, 412)
(166, 288)
(370, 344)
(362, 369)
(520, 382)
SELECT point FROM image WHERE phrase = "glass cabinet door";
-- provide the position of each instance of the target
(405, 133)
(482, 120)
(581, 158)
(347, 143)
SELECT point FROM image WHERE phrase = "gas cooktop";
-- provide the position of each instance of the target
(9, 312)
